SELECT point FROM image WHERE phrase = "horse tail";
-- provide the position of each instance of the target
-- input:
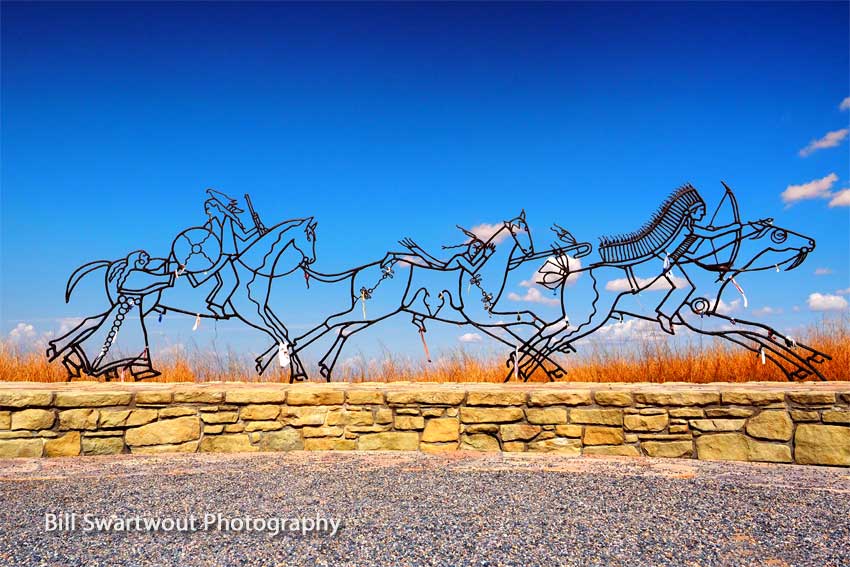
(81, 272)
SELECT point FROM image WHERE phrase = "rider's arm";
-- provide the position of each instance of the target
(714, 231)
(242, 234)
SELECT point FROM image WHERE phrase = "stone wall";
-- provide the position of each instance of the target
(767, 422)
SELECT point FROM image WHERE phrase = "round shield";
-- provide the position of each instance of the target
(196, 250)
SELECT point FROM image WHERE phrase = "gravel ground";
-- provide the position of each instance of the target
(412, 509)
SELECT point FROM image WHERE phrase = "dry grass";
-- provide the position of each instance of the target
(651, 361)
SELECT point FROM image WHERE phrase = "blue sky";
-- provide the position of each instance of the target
(390, 120)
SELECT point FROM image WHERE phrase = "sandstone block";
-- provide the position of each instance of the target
(354, 429)
(752, 397)
(439, 397)
(613, 398)
(263, 426)
(329, 444)
(570, 431)
(432, 412)
(768, 452)
(315, 397)
(364, 397)
(177, 411)
(33, 419)
(259, 412)
(594, 435)
(234, 428)
(307, 415)
(115, 418)
(678, 428)
(287, 439)
(214, 417)
(546, 416)
(441, 429)
(729, 412)
(479, 442)
(518, 431)
(153, 397)
(480, 428)
(21, 447)
(407, 411)
(5, 419)
(717, 424)
(165, 432)
(674, 398)
(812, 398)
(198, 396)
(214, 429)
(256, 396)
(227, 443)
(78, 419)
(495, 398)
(102, 445)
(771, 424)
(645, 422)
(802, 415)
(668, 449)
(333, 431)
(140, 417)
(389, 441)
(559, 445)
(822, 445)
(350, 417)
(404, 422)
(686, 412)
(597, 416)
(25, 398)
(91, 399)
(490, 415)
(67, 445)
(614, 450)
(187, 447)
(559, 397)
(833, 416)
(722, 447)
(513, 447)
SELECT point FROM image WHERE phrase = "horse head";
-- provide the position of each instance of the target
(304, 240)
(771, 246)
(518, 229)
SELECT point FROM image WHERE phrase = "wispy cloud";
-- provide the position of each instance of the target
(485, 231)
(823, 272)
(728, 308)
(631, 329)
(826, 302)
(470, 338)
(829, 140)
(533, 295)
(815, 189)
(23, 332)
(660, 284)
(845, 291)
(768, 310)
(845, 104)
(841, 198)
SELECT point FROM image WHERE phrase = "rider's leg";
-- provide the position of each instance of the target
(226, 282)
(681, 289)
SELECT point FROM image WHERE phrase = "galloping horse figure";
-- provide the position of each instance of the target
(482, 264)
(276, 252)
(754, 246)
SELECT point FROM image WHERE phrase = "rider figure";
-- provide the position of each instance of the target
(471, 259)
(688, 242)
(225, 224)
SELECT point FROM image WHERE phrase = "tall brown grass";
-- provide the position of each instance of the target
(648, 361)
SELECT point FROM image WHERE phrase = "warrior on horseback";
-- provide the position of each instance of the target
(234, 238)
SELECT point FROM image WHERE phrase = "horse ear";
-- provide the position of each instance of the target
(522, 214)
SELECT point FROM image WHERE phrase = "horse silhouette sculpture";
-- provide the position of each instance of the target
(689, 261)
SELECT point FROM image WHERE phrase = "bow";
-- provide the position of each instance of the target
(736, 243)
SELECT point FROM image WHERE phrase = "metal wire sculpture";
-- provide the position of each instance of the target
(243, 263)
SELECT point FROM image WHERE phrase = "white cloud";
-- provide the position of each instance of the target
(840, 199)
(796, 309)
(826, 302)
(845, 291)
(768, 310)
(830, 140)
(815, 189)
(845, 104)
(551, 271)
(533, 295)
(485, 231)
(470, 338)
(22, 333)
(660, 284)
(640, 328)
(823, 272)
(728, 308)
